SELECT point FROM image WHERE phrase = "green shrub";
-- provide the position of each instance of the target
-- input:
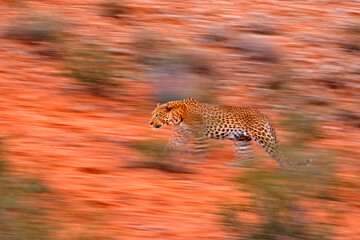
(278, 202)
(21, 214)
(91, 65)
(157, 155)
(152, 149)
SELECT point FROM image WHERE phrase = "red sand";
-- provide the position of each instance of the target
(67, 136)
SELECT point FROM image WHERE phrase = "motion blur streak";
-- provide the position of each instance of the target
(78, 83)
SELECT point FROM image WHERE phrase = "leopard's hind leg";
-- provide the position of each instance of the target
(242, 151)
(265, 136)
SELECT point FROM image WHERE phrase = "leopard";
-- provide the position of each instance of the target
(199, 121)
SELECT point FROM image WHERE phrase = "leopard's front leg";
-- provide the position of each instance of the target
(179, 139)
(199, 144)
(178, 144)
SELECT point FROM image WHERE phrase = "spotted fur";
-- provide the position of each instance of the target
(192, 119)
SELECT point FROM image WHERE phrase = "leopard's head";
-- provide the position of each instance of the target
(167, 113)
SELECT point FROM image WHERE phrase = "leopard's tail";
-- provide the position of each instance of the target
(283, 161)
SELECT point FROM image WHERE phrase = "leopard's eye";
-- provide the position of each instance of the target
(156, 115)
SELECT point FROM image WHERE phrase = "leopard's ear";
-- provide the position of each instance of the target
(169, 107)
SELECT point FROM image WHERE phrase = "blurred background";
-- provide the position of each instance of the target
(78, 83)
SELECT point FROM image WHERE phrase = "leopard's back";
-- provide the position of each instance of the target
(230, 122)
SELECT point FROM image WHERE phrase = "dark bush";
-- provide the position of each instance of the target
(277, 204)
(177, 71)
(35, 28)
(91, 65)
(114, 9)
